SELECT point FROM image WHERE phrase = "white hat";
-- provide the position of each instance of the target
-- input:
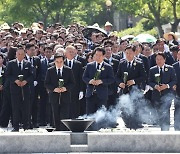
(170, 33)
(108, 24)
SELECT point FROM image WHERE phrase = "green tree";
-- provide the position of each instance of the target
(175, 7)
(155, 10)
(44, 10)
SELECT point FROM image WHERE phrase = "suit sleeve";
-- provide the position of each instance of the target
(86, 77)
(30, 78)
(142, 74)
(9, 72)
(110, 76)
(48, 82)
(71, 81)
(173, 79)
(119, 75)
(151, 79)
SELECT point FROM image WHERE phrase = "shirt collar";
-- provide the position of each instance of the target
(28, 57)
(76, 57)
(161, 67)
(130, 61)
(69, 60)
(99, 65)
(110, 59)
(19, 61)
(59, 68)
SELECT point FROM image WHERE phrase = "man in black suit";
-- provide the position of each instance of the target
(169, 58)
(135, 75)
(97, 85)
(6, 111)
(20, 87)
(162, 78)
(77, 92)
(177, 100)
(48, 51)
(139, 48)
(112, 87)
(59, 95)
(35, 62)
(78, 54)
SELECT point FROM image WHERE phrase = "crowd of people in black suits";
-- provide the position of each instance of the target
(51, 74)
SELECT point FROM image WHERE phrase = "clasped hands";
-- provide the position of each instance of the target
(161, 87)
(95, 82)
(129, 83)
(21, 83)
(60, 90)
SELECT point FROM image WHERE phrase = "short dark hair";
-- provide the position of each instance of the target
(160, 54)
(100, 49)
(19, 46)
(133, 47)
(29, 45)
(174, 48)
(108, 42)
(124, 41)
(58, 55)
(160, 40)
(48, 47)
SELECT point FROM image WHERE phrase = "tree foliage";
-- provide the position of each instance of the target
(158, 11)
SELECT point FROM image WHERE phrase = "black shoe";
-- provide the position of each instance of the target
(30, 126)
(35, 125)
(15, 130)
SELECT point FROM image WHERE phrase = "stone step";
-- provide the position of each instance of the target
(79, 148)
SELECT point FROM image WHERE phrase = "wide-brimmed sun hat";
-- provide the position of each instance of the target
(170, 33)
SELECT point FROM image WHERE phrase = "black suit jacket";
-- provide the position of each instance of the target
(169, 59)
(51, 81)
(107, 77)
(13, 72)
(82, 60)
(114, 63)
(36, 68)
(116, 56)
(77, 72)
(169, 77)
(177, 70)
(136, 73)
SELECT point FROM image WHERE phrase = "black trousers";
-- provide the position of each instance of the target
(60, 110)
(94, 103)
(6, 111)
(43, 104)
(20, 108)
(75, 105)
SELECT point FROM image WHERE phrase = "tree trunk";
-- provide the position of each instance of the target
(174, 26)
(161, 32)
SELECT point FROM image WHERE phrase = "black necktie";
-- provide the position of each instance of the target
(20, 66)
(30, 60)
(161, 73)
(98, 66)
(129, 65)
(59, 74)
(70, 64)
(47, 62)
